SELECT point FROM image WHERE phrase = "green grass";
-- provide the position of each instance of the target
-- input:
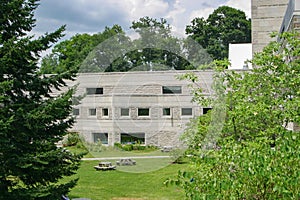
(120, 184)
(121, 153)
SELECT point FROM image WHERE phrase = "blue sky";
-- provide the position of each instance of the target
(91, 16)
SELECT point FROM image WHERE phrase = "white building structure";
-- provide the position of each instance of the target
(239, 54)
(128, 107)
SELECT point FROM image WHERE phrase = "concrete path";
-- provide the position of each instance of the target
(132, 157)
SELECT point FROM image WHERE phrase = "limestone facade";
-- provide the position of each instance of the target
(150, 107)
(267, 17)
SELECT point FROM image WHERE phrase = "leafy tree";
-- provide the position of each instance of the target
(163, 48)
(255, 156)
(31, 119)
(157, 49)
(69, 54)
(111, 50)
(225, 25)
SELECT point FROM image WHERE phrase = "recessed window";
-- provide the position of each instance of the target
(105, 112)
(91, 91)
(124, 111)
(75, 111)
(101, 137)
(133, 138)
(166, 111)
(205, 110)
(171, 90)
(186, 111)
(92, 111)
(143, 112)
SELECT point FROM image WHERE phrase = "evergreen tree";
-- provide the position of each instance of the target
(31, 119)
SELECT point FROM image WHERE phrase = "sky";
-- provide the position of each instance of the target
(92, 16)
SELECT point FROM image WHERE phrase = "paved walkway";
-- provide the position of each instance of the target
(132, 157)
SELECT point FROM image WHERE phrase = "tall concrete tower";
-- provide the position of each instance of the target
(267, 16)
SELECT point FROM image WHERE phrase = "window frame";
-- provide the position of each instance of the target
(139, 136)
(163, 112)
(184, 114)
(92, 112)
(77, 110)
(172, 89)
(94, 91)
(143, 109)
(123, 109)
(105, 112)
(102, 141)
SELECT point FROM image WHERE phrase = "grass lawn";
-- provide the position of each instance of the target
(118, 184)
(114, 152)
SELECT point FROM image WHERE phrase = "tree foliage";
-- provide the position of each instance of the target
(225, 25)
(31, 120)
(112, 50)
(69, 54)
(256, 156)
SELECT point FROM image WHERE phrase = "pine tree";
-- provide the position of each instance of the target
(31, 119)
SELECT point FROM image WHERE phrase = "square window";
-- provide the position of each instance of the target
(92, 111)
(143, 112)
(171, 90)
(124, 111)
(105, 112)
(91, 91)
(186, 111)
(166, 111)
(75, 111)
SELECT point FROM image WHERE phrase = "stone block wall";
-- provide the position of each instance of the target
(267, 17)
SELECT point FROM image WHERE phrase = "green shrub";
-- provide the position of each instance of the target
(95, 146)
(127, 147)
(140, 147)
(71, 139)
(118, 145)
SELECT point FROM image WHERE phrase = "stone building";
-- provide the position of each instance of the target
(266, 17)
(153, 107)
(127, 107)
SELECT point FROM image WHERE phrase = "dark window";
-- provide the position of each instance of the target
(124, 111)
(102, 137)
(90, 91)
(171, 90)
(132, 138)
(166, 111)
(92, 111)
(143, 112)
(205, 110)
(75, 111)
(186, 111)
(105, 111)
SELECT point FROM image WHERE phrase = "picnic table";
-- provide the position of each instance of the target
(126, 161)
(105, 166)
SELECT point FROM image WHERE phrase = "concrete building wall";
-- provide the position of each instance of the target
(133, 91)
(267, 17)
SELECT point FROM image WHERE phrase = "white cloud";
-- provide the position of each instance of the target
(86, 16)
(136, 9)
(244, 5)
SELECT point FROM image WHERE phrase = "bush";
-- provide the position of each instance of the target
(118, 145)
(127, 147)
(177, 155)
(95, 147)
(71, 139)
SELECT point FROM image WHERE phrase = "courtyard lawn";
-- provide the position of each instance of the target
(121, 153)
(119, 184)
